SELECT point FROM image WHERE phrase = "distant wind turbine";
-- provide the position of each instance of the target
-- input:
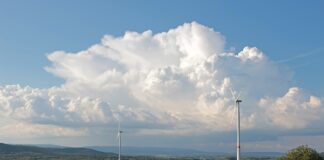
(119, 136)
(238, 145)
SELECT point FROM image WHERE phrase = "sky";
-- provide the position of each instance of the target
(70, 70)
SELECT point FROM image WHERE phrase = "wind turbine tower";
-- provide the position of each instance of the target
(119, 141)
(238, 147)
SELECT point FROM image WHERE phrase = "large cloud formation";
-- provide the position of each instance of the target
(174, 82)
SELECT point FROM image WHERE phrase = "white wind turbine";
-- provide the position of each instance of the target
(119, 136)
(238, 145)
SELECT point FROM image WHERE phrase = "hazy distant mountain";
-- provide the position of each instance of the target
(262, 154)
(151, 151)
(25, 149)
(157, 151)
(47, 145)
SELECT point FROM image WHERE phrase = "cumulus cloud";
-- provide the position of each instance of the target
(296, 109)
(174, 82)
(44, 106)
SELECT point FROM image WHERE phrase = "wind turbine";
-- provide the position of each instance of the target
(238, 128)
(119, 134)
(238, 149)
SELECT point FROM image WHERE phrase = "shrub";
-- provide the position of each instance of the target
(302, 152)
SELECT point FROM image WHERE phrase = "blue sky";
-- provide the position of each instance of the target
(282, 29)
(290, 33)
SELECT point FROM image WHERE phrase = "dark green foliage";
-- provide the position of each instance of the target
(302, 152)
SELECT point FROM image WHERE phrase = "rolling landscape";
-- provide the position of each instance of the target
(33, 152)
(30, 152)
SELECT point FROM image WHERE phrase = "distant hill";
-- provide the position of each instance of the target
(25, 149)
(158, 151)
(104, 151)
(46, 145)
(262, 154)
(151, 151)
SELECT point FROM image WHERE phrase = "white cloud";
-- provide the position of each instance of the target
(174, 82)
(43, 106)
(20, 130)
(252, 54)
(296, 109)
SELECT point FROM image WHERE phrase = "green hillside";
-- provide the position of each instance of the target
(8, 151)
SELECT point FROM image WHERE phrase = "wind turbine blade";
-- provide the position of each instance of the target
(234, 111)
(118, 125)
(238, 96)
(232, 116)
(118, 131)
(233, 94)
(118, 135)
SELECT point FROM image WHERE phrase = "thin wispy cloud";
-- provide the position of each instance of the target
(303, 55)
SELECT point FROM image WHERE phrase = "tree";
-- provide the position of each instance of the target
(302, 152)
